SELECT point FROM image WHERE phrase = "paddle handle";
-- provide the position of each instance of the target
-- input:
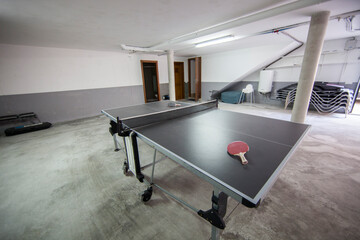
(243, 159)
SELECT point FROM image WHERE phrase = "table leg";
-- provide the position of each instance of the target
(215, 234)
(153, 168)
(116, 143)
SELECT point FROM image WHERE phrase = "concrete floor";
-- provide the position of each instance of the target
(66, 182)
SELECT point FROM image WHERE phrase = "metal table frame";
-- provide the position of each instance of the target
(219, 198)
(221, 191)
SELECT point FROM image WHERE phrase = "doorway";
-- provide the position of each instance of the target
(150, 76)
(179, 80)
(194, 74)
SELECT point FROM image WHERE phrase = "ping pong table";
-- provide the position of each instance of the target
(196, 136)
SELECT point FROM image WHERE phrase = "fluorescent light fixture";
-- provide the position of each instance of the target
(215, 41)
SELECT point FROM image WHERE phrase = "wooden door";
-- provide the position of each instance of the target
(179, 80)
(150, 76)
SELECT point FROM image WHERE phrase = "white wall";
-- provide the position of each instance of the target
(335, 65)
(26, 69)
(229, 66)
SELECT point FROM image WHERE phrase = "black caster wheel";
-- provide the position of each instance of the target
(125, 168)
(146, 195)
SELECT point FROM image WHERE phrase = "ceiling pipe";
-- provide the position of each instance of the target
(240, 21)
(273, 30)
(141, 49)
(292, 37)
(338, 17)
(288, 49)
(279, 29)
(346, 15)
(287, 53)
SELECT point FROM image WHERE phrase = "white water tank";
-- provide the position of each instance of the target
(265, 82)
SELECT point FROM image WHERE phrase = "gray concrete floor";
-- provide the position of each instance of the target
(66, 182)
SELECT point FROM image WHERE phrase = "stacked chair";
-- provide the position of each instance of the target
(325, 97)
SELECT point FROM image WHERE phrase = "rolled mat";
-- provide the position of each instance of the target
(26, 128)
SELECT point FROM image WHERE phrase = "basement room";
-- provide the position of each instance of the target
(206, 119)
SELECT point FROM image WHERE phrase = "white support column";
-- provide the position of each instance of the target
(170, 57)
(314, 44)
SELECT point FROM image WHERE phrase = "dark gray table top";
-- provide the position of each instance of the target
(142, 109)
(201, 139)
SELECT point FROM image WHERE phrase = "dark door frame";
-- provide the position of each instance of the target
(197, 77)
(189, 76)
(183, 80)
(143, 79)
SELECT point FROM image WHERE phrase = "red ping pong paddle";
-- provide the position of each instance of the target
(238, 148)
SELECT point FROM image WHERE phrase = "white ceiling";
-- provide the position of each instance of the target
(106, 24)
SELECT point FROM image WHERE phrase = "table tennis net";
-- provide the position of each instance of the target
(173, 113)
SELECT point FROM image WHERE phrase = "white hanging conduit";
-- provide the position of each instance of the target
(287, 50)
(343, 16)
(277, 10)
(274, 11)
(292, 47)
(134, 49)
(349, 24)
(140, 49)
